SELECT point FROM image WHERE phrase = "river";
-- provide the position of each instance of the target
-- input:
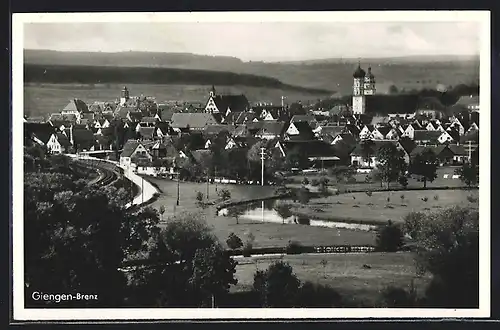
(265, 211)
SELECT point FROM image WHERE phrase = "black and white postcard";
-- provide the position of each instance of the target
(251, 165)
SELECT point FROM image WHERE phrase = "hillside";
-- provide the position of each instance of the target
(82, 74)
(406, 73)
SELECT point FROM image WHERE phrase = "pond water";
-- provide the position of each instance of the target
(265, 212)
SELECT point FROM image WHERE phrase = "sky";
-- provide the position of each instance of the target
(261, 41)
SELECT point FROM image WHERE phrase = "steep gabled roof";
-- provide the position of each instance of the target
(425, 135)
(76, 105)
(435, 149)
(42, 131)
(83, 137)
(272, 127)
(233, 102)
(347, 138)
(136, 116)
(129, 148)
(305, 131)
(192, 120)
(303, 118)
(384, 130)
(216, 129)
(374, 147)
(147, 132)
(472, 136)
(63, 140)
(457, 150)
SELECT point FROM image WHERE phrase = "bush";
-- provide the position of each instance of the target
(351, 179)
(303, 195)
(224, 194)
(403, 180)
(199, 196)
(314, 182)
(294, 247)
(305, 181)
(234, 242)
(436, 197)
(369, 193)
(278, 286)
(425, 198)
(394, 297)
(389, 238)
(314, 295)
(324, 181)
(323, 189)
(472, 199)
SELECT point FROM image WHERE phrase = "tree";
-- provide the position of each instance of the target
(425, 164)
(367, 151)
(283, 210)
(393, 89)
(162, 211)
(296, 158)
(278, 286)
(448, 248)
(224, 194)
(213, 273)
(296, 109)
(234, 242)
(469, 174)
(391, 163)
(76, 233)
(303, 195)
(187, 264)
(389, 237)
(236, 212)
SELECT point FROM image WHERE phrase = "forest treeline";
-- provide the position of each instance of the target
(34, 73)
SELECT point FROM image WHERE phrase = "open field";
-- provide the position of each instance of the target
(343, 272)
(376, 209)
(266, 234)
(42, 99)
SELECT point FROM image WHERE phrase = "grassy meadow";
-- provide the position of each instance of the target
(383, 206)
(343, 272)
(266, 234)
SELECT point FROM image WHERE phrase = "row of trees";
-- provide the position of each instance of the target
(391, 165)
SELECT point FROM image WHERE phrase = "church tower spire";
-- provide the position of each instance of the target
(212, 91)
(369, 83)
(358, 93)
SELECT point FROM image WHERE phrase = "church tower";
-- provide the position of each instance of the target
(212, 91)
(124, 96)
(369, 83)
(358, 91)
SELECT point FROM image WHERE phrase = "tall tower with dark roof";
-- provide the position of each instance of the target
(124, 96)
(358, 91)
(369, 83)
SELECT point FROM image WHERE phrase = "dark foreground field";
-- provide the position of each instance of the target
(343, 272)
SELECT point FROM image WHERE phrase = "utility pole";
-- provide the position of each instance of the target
(470, 152)
(142, 189)
(208, 189)
(178, 178)
(262, 158)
